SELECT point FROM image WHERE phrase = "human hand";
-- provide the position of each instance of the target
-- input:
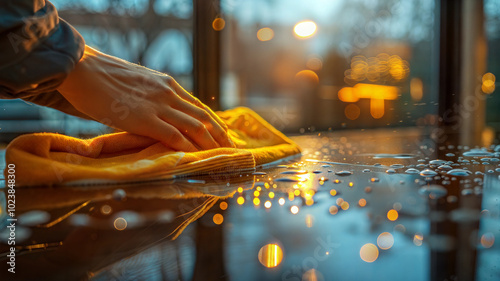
(142, 101)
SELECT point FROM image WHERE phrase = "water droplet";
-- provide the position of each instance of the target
(343, 173)
(412, 171)
(444, 167)
(316, 172)
(450, 154)
(477, 153)
(428, 173)
(459, 172)
(433, 191)
(259, 173)
(390, 171)
(374, 179)
(326, 166)
(397, 166)
(366, 170)
(437, 162)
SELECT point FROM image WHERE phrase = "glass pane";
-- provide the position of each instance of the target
(331, 64)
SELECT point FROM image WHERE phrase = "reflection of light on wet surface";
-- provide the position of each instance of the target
(270, 255)
(368, 252)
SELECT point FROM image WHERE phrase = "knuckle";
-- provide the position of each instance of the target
(173, 137)
(200, 128)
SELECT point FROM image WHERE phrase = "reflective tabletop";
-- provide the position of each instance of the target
(386, 204)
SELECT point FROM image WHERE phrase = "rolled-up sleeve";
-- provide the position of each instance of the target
(37, 48)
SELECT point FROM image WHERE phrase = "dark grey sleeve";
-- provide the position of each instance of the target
(37, 49)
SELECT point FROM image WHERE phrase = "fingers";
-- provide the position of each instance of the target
(193, 100)
(170, 136)
(192, 128)
(214, 129)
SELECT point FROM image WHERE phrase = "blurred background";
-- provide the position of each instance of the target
(303, 65)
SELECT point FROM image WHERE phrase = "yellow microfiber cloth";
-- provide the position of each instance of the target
(48, 158)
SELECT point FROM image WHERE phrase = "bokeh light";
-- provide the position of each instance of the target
(218, 24)
(368, 252)
(294, 210)
(270, 255)
(120, 223)
(240, 200)
(218, 219)
(265, 34)
(305, 29)
(385, 240)
(392, 215)
(307, 76)
(487, 240)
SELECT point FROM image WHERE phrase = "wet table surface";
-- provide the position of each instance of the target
(363, 205)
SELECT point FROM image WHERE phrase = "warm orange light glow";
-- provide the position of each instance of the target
(376, 93)
(240, 200)
(362, 202)
(309, 221)
(270, 255)
(256, 201)
(344, 205)
(265, 34)
(308, 76)
(240, 189)
(333, 192)
(218, 24)
(256, 193)
(271, 195)
(385, 240)
(339, 201)
(416, 89)
(488, 85)
(352, 111)
(380, 68)
(369, 252)
(347, 94)
(120, 223)
(392, 215)
(377, 108)
(305, 29)
(218, 218)
(223, 205)
(333, 210)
